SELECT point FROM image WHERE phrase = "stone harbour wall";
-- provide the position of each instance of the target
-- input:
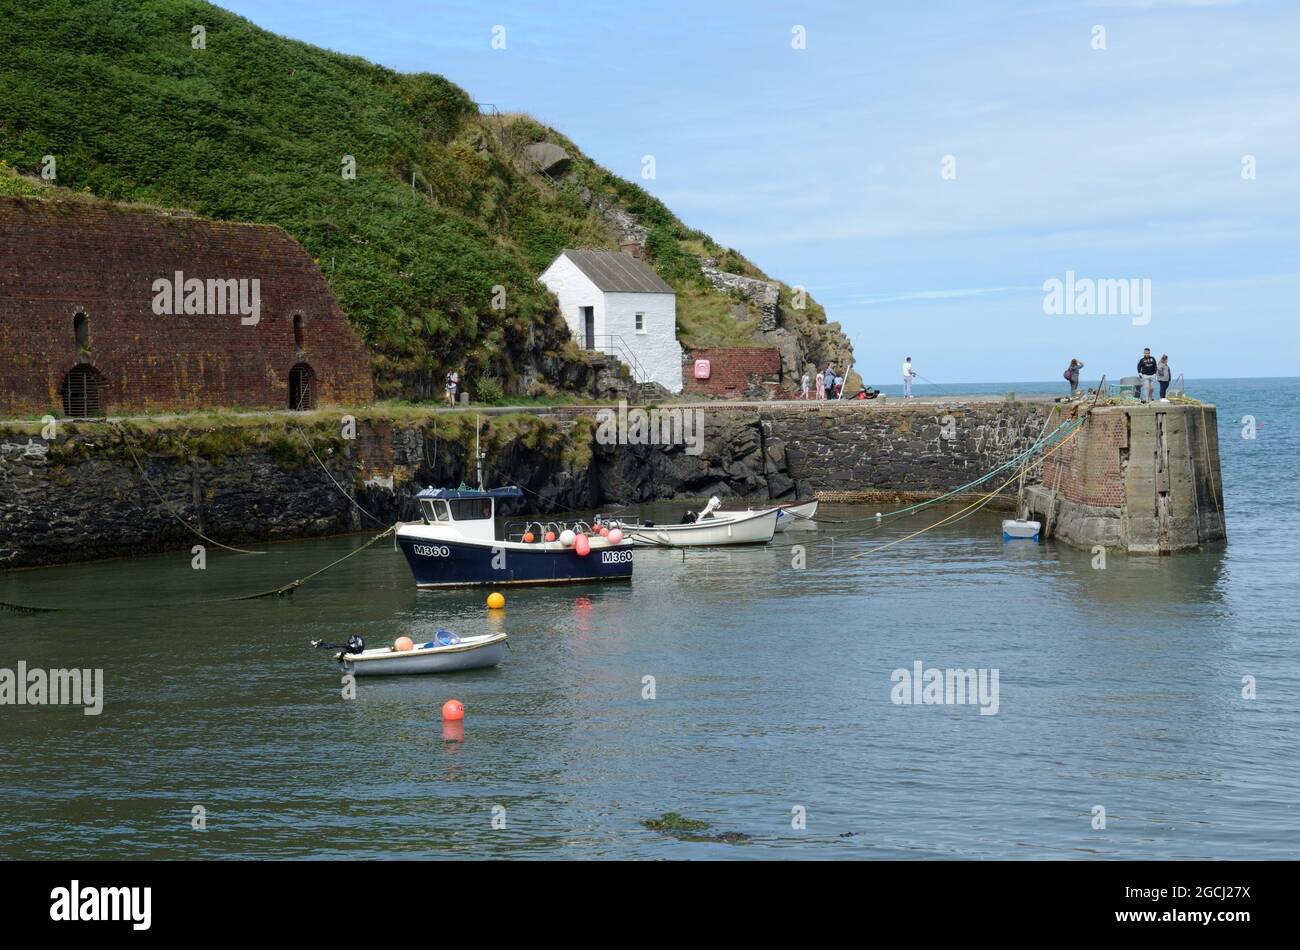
(80, 495)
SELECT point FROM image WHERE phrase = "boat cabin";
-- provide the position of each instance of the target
(466, 513)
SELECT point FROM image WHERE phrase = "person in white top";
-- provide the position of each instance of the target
(908, 376)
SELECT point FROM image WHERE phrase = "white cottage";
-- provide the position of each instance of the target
(616, 304)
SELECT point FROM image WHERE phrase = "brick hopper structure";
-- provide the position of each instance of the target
(113, 310)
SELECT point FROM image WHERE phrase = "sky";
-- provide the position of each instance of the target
(925, 169)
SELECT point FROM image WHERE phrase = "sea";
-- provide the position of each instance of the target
(737, 703)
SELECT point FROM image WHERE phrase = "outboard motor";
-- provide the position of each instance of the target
(689, 517)
(356, 643)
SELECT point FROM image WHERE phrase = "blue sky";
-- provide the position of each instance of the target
(823, 165)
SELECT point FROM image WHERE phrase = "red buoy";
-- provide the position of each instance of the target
(453, 710)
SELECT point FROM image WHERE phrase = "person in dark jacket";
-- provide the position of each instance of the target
(1147, 375)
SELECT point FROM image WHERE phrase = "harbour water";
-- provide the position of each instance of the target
(1119, 687)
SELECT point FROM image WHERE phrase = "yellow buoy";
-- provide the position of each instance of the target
(495, 601)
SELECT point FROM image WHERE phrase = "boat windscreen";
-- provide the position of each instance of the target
(470, 509)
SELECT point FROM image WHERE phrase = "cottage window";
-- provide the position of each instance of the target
(640, 323)
(297, 331)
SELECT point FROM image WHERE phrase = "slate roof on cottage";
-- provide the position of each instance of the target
(616, 272)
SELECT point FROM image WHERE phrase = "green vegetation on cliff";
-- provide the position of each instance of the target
(255, 127)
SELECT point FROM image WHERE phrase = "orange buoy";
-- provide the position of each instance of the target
(581, 546)
(453, 710)
(550, 536)
(495, 601)
(528, 537)
(402, 644)
(602, 531)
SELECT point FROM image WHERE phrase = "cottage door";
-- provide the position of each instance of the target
(589, 326)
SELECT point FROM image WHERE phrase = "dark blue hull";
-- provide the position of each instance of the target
(459, 564)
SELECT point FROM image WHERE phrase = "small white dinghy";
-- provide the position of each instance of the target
(465, 653)
(707, 530)
(798, 514)
(1017, 529)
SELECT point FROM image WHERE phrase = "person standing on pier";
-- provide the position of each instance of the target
(803, 387)
(908, 376)
(1147, 375)
(1163, 375)
(449, 391)
(821, 386)
(1072, 374)
(828, 380)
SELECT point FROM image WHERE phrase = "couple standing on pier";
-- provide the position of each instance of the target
(1149, 372)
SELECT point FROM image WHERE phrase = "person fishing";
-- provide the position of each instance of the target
(1147, 375)
(908, 375)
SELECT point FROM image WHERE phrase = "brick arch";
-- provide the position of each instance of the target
(302, 387)
(82, 392)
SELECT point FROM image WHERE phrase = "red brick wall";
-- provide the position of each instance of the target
(1089, 469)
(60, 256)
(731, 369)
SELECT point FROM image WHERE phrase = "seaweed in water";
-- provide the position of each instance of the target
(690, 829)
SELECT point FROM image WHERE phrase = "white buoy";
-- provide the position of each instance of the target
(877, 516)
(567, 537)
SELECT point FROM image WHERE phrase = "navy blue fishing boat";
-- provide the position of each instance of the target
(456, 544)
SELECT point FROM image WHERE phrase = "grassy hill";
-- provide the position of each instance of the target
(442, 208)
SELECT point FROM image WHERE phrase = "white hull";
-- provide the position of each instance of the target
(743, 528)
(472, 653)
(787, 516)
(1013, 529)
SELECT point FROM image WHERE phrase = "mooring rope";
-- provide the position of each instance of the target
(280, 591)
(970, 509)
(330, 476)
(1037, 446)
(166, 504)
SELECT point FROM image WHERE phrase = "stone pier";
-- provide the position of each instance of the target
(1144, 478)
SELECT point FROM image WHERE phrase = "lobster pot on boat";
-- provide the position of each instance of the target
(456, 544)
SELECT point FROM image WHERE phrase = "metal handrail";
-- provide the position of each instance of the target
(1100, 390)
(618, 347)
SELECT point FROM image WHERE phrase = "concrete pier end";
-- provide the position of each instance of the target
(1141, 477)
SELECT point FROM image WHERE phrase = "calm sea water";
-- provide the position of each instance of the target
(1119, 688)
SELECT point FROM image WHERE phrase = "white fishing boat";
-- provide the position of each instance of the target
(796, 514)
(464, 653)
(706, 529)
